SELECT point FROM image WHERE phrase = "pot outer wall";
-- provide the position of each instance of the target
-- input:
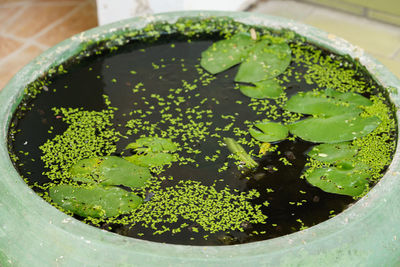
(33, 233)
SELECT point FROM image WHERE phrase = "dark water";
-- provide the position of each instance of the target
(84, 85)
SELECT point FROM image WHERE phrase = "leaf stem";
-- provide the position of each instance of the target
(237, 149)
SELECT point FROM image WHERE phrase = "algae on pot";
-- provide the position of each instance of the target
(204, 132)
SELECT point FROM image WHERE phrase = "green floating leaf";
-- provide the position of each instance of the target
(110, 171)
(331, 153)
(224, 54)
(118, 171)
(350, 97)
(318, 104)
(151, 159)
(334, 129)
(237, 149)
(264, 61)
(153, 144)
(264, 89)
(269, 131)
(94, 201)
(85, 170)
(152, 151)
(344, 181)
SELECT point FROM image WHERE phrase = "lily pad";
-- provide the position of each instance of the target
(264, 61)
(152, 144)
(151, 159)
(318, 104)
(152, 151)
(94, 201)
(334, 129)
(351, 182)
(269, 131)
(264, 89)
(110, 171)
(224, 54)
(350, 97)
(85, 170)
(118, 171)
(331, 153)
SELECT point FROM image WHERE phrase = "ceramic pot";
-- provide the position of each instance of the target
(34, 233)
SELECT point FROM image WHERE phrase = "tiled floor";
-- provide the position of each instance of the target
(28, 27)
(380, 40)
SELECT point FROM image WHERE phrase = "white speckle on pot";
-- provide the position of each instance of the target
(81, 37)
(67, 220)
(331, 36)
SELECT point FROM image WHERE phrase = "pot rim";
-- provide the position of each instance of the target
(71, 241)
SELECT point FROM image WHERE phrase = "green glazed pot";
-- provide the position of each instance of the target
(33, 233)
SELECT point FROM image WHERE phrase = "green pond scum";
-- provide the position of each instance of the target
(203, 132)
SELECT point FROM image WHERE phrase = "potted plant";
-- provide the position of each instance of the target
(358, 235)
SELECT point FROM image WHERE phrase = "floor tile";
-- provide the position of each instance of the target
(82, 20)
(13, 64)
(291, 10)
(374, 37)
(19, 2)
(7, 46)
(6, 13)
(35, 18)
(340, 5)
(392, 64)
(397, 56)
(382, 16)
(390, 6)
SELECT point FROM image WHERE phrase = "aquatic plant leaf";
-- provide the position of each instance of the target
(263, 89)
(349, 181)
(350, 97)
(318, 104)
(152, 144)
(110, 170)
(334, 129)
(152, 151)
(151, 159)
(94, 201)
(224, 54)
(331, 153)
(237, 149)
(85, 166)
(269, 131)
(264, 61)
(85, 170)
(118, 171)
